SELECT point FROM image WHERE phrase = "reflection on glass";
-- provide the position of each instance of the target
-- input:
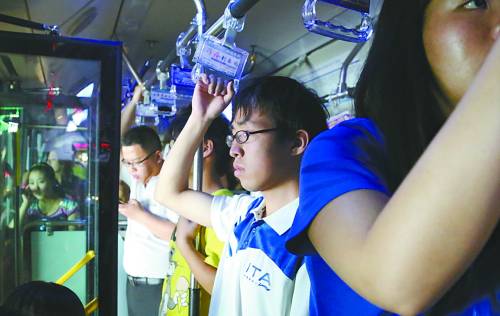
(43, 198)
(45, 163)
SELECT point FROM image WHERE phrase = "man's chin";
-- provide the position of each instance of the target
(250, 187)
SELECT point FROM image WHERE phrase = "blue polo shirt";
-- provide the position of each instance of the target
(351, 156)
(336, 162)
(257, 275)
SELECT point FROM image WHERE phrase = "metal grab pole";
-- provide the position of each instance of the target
(201, 16)
(132, 70)
(343, 70)
(194, 288)
(237, 9)
(185, 37)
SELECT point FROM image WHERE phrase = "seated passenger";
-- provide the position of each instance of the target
(217, 167)
(44, 198)
(39, 298)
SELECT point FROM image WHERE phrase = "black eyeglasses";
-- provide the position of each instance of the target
(135, 164)
(241, 137)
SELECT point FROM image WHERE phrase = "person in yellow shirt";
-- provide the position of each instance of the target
(184, 258)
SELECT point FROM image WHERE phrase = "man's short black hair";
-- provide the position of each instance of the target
(290, 105)
(43, 298)
(144, 136)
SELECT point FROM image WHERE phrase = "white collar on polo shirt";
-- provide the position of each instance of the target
(281, 220)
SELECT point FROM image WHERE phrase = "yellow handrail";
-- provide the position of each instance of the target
(94, 304)
(88, 256)
(91, 306)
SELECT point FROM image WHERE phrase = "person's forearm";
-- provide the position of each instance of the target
(442, 214)
(160, 227)
(128, 116)
(451, 198)
(172, 189)
(203, 272)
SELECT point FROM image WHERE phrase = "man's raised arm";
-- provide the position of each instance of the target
(172, 190)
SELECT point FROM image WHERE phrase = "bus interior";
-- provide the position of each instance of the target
(68, 67)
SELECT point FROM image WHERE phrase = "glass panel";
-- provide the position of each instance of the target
(48, 204)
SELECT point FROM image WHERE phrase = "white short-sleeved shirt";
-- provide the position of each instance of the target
(256, 274)
(146, 255)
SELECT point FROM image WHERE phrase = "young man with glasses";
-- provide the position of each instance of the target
(273, 121)
(150, 225)
(201, 261)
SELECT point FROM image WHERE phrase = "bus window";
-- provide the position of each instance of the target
(47, 218)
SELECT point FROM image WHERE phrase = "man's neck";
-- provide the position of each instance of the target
(210, 185)
(156, 171)
(280, 195)
(211, 182)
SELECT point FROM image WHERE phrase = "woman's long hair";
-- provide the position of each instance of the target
(399, 92)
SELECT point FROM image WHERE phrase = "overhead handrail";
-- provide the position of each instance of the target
(51, 28)
(342, 86)
(175, 88)
(201, 16)
(359, 30)
(196, 28)
(238, 9)
(131, 68)
(183, 43)
(341, 102)
(228, 63)
(221, 57)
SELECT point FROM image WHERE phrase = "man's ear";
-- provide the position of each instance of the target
(208, 148)
(300, 142)
(158, 155)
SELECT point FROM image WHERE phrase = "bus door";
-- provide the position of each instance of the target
(59, 158)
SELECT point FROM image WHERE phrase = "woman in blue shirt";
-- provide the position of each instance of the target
(399, 207)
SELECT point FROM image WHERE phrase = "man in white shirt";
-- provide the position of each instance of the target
(150, 225)
(273, 121)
